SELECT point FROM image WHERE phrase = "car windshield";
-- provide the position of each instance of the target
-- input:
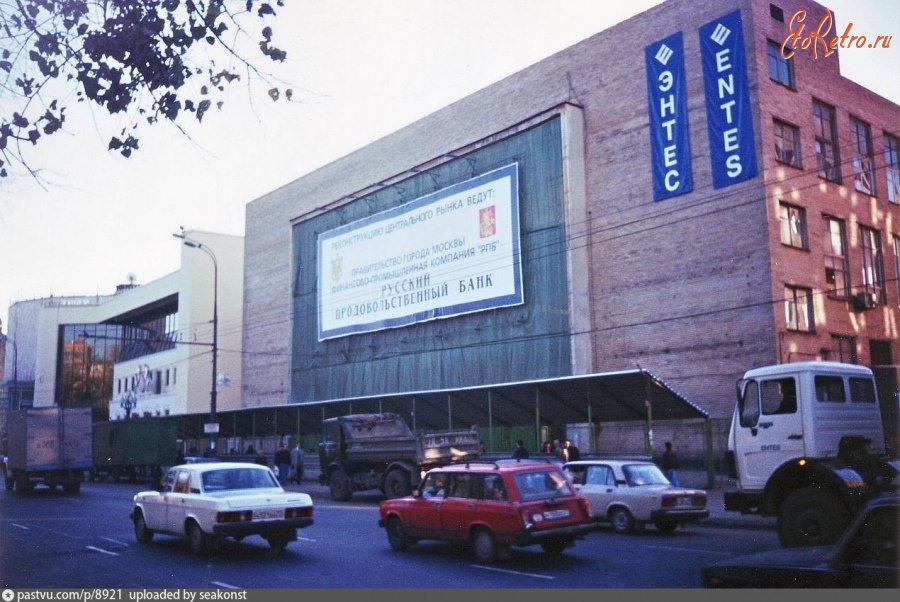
(541, 485)
(644, 474)
(229, 479)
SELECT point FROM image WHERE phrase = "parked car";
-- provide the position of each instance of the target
(492, 506)
(864, 557)
(208, 502)
(628, 494)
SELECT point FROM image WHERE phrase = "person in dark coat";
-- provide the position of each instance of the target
(283, 463)
(520, 453)
(669, 464)
(261, 458)
(572, 451)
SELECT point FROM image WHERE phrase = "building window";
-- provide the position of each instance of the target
(781, 70)
(844, 349)
(827, 157)
(863, 156)
(793, 226)
(798, 308)
(897, 261)
(837, 272)
(892, 166)
(776, 13)
(873, 264)
(787, 143)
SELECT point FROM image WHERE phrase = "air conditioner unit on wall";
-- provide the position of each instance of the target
(864, 300)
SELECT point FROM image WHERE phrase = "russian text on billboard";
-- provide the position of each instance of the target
(451, 252)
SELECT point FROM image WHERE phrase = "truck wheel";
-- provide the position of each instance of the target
(23, 485)
(141, 533)
(811, 517)
(396, 484)
(340, 486)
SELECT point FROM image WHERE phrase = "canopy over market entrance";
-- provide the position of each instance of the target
(631, 395)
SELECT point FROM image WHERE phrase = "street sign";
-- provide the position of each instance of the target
(211, 428)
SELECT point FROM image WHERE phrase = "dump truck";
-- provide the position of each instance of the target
(806, 445)
(48, 446)
(134, 448)
(361, 452)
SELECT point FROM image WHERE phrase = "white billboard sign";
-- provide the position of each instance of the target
(451, 252)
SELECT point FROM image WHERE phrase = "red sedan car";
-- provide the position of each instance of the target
(492, 506)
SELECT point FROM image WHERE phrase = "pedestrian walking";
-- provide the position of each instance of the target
(283, 463)
(669, 464)
(297, 463)
(520, 452)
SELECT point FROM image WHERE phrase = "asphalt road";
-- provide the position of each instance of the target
(49, 540)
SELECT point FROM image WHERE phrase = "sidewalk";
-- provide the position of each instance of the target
(696, 479)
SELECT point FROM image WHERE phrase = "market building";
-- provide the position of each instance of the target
(694, 192)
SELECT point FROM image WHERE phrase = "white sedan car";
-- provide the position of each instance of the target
(208, 502)
(631, 493)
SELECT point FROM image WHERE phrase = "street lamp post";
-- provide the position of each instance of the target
(215, 342)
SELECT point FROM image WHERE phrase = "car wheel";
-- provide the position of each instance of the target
(622, 521)
(810, 517)
(279, 541)
(196, 539)
(484, 546)
(71, 488)
(141, 533)
(666, 526)
(396, 484)
(554, 548)
(395, 534)
(340, 486)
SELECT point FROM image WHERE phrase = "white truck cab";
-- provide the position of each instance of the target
(807, 445)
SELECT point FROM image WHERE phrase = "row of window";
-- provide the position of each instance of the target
(794, 233)
(798, 300)
(828, 160)
(146, 382)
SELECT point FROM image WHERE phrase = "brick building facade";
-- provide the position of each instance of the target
(800, 261)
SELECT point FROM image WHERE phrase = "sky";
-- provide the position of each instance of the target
(360, 69)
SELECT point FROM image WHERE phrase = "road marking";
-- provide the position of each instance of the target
(18, 526)
(694, 550)
(225, 585)
(507, 571)
(115, 541)
(306, 539)
(102, 551)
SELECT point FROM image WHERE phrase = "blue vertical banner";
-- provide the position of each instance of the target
(670, 152)
(728, 111)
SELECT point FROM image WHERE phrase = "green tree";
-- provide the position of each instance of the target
(146, 60)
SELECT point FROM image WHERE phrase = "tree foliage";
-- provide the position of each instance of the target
(137, 58)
